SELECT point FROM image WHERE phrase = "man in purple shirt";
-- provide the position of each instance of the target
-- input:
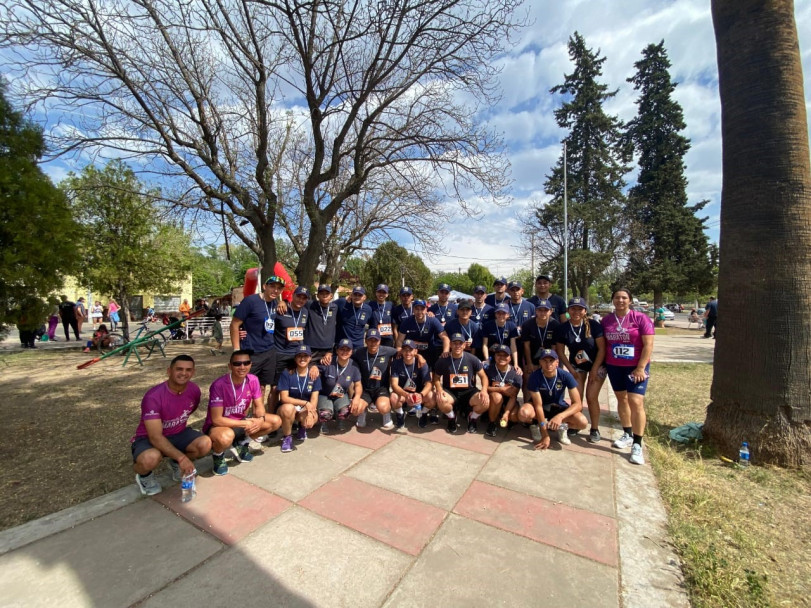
(165, 409)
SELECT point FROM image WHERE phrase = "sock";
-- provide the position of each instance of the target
(594, 429)
(628, 430)
(386, 418)
(399, 410)
(451, 415)
(246, 440)
(216, 454)
(147, 476)
(638, 439)
(362, 418)
(474, 415)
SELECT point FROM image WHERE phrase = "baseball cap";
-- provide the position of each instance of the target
(501, 348)
(443, 287)
(457, 337)
(372, 334)
(501, 280)
(406, 291)
(480, 289)
(548, 354)
(501, 307)
(344, 343)
(514, 284)
(301, 290)
(382, 287)
(543, 277)
(304, 350)
(418, 303)
(275, 279)
(544, 304)
(579, 302)
(409, 344)
(464, 304)
(323, 287)
(359, 289)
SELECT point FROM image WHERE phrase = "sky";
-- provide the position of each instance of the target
(620, 29)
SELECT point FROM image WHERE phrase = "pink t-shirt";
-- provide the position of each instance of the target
(235, 399)
(624, 337)
(161, 403)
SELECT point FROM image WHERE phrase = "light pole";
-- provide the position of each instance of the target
(565, 228)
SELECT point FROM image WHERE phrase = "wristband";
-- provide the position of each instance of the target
(542, 424)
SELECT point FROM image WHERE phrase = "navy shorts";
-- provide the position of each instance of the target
(371, 395)
(618, 375)
(264, 367)
(180, 441)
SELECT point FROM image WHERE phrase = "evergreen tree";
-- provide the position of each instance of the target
(596, 157)
(37, 230)
(480, 275)
(391, 264)
(668, 250)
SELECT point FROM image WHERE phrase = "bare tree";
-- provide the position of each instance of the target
(204, 92)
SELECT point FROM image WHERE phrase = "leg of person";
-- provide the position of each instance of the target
(383, 404)
(221, 439)
(396, 403)
(74, 324)
(146, 459)
(477, 408)
(66, 327)
(326, 412)
(445, 402)
(618, 377)
(365, 400)
(494, 413)
(593, 386)
(636, 402)
(287, 413)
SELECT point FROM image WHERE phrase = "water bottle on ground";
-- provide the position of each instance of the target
(188, 489)
(743, 455)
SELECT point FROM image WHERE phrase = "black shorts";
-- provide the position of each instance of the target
(179, 441)
(239, 432)
(461, 399)
(553, 409)
(319, 353)
(283, 364)
(264, 367)
(371, 395)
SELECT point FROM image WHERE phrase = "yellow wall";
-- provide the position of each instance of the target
(74, 291)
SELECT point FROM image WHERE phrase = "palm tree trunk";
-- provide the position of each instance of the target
(761, 390)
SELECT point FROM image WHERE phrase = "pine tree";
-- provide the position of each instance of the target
(596, 157)
(668, 250)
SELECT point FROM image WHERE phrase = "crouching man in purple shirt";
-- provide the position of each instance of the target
(165, 410)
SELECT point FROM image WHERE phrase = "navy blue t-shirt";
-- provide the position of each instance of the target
(400, 314)
(321, 326)
(374, 369)
(259, 320)
(539, 337)
(555, 300)
(482, 315)
(405, 373)
(298, 387)
(381, 319)
(352, 321)
(425, 334)
(333, 375)
(521, 313)
(491, 299)
(472, 332)
(499, 335)
(552, 390)
(290, 329)
(443, 312)
(582, 350)
(498, 378)
(458, 375)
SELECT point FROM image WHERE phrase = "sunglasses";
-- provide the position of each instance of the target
(240, 363)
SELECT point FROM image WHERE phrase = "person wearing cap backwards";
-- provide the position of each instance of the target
(340, 386)
(443, 309)
(504, 383)
(227, 423)
(374, 362)
(256, 315)
(353, 316)
(499, 294)
(319, 334)
(548, 409)
(298, 397)
(481, 312)
(454, 380)
(403, 310)
(463, 325)
(500, 331)
(537, 334)
(381, 315)
(290, 327)
(542, 284)
(426, 332)
(411, 384)
(583, 337)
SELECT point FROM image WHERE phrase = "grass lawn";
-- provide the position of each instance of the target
(743, 534)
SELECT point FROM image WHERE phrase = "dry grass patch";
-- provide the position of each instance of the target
(743, 535)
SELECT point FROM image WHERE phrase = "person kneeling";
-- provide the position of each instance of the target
(227, 423)
(454, 379)
(341, 387)
(298, 398)
(165, 409)
(411, 385)
(547, 387)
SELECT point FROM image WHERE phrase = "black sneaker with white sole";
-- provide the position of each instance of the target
(491, 429)
(472, 426)
(452, 426)
(423, 421)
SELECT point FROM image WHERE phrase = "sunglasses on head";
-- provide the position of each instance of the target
(240, 363)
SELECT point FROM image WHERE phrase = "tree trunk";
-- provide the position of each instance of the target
(761, 390)
(124, 313)
(268, 260)
(307, 268)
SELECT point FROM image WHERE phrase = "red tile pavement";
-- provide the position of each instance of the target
(475, 442)
(225, 506)
(372, 438)
(575, 530)
(404, 523)
(582, 445)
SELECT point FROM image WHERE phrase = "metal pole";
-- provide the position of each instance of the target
(565, 229)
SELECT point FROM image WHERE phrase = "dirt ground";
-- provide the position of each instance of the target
(68, 430)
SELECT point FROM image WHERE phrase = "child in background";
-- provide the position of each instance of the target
(100, 336)
(216, 334)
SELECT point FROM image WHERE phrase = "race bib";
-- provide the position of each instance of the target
(623, 351)
(410, 385)
(295, 334)
(270, 324)
(384, 329)
(421, 345)
(375, 374)
(337, 391)
(459, 381)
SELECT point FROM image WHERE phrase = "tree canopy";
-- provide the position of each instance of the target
(391, 264)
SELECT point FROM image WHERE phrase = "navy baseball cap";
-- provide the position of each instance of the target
(579, 302)
(514, 284)
(301, 290)
(480, 289)
(382, 287)
(419, 303)
(406, 291)
(372, 334)
(344, 343)
(444, 287)
(323, 287)
(543, 277)
(500, 280)
(359, 289)
(502, 307)
(501, 348)
(409, 344)
(457, 337)
(544, 304)
(465, 304)
(304, 350)
(548, 354)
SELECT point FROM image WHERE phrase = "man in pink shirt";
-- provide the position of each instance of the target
(165, 409)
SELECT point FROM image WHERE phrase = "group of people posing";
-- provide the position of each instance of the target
(500, 359)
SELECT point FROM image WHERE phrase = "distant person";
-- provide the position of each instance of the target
(53, 323)
(184, 309)
(162, 433)
(27, 325)
(100, 337)
(67, 313)
(711, 315)
(543, 283)
(217, 335)
(96, 314)
(81, 314)
(499, 294)
(381, 318)
(112, 313)
(443, 309)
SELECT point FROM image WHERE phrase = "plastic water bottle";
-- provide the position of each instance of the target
(418, 410)
(743, 455)
(187, 487)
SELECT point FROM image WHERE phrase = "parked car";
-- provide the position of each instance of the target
(604, 307)
(669, 315)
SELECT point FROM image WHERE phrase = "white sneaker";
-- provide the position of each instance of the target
(176, 474)
(260, 439)
(388, 426)
(563, 434)
(636, 454)
(148, 486)
(626, 441)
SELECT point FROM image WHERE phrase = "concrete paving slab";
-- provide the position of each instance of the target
(114, 560)
(580, 532)
(476, 442)
(560, 475)
(399, 521)
(225, 506)
(299, 559)
(469, 564)
(371, 438)
(426, 470)
(294, 475)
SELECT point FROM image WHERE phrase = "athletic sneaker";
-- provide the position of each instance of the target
(220, 467)
(491, 429)
(563, 435)
(636, 454)
(472, 426)
(399, 420)
(262, 438)
(242, 453)
(452, 426)
(626, 441)
(433, 418)
(423, 421)
(323, 430)
(594, 437)
(148, 486)
(287, 443)
(301, 434)
(388, 426)
(176, 474)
